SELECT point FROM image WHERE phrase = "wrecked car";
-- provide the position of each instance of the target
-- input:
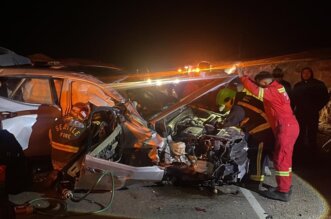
(193, 150)
(180, 144)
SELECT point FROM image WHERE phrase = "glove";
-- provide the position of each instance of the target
(235, 69)
(231, 70)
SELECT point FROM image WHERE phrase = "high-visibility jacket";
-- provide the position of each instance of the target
(67, 136)
(248, 113)
(255, 119)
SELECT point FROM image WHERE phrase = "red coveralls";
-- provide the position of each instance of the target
(284, 125)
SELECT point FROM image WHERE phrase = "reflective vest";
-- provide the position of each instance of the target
(67, 136)
(255, 119)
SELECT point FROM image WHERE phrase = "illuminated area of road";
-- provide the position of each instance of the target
(326, 205)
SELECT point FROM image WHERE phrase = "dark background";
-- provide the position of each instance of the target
(164, 34)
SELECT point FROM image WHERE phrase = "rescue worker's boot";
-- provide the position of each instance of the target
(277, 195)
(271, 188)
(255, 186)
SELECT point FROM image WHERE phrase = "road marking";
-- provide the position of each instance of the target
(254, 203)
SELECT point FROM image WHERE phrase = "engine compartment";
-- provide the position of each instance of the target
(195, 143)
(186, 146)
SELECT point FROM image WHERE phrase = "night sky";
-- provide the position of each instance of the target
(163, 34)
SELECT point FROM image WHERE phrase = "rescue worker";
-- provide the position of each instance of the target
(284, 126)
(310, 96)
(247, 112)
(67, 136)
(225, 105)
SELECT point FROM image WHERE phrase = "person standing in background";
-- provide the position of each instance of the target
(309, 96)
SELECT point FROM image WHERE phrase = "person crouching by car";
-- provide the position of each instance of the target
(67, 136)
(247, 112)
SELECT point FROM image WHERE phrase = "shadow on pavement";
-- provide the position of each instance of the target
(314, 167)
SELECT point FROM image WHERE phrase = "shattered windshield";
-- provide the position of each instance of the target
(152, 93)
(152, 99)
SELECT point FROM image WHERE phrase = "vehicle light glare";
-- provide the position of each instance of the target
(230, 70)
(176, 81)
(149, 81)
(158, 83)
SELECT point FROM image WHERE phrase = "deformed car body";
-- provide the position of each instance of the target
(195, 151)
(179, 144)
(31, 99)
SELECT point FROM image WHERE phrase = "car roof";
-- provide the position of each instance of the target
(47, 72)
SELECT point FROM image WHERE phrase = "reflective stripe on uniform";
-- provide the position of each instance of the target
(259, 128)
(282, 173)
(255, 109)
(258, 176)
(281, 90)
(64, 147)
(261, 93)
(259, 157)
(244, 121)
(250, 94)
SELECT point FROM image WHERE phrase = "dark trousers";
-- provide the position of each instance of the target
(308, 123)
(6, 208)
(260, 146)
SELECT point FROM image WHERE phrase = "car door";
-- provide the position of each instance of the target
(28, 108)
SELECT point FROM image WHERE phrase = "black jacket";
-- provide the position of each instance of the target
(287, 86)
(309, 96)
(248, 113)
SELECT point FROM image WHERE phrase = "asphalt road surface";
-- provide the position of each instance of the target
(145, 200)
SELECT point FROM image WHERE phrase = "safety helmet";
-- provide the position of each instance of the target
(80, 111)
(224, 95)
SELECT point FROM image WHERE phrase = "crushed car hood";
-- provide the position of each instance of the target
(216, 83)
